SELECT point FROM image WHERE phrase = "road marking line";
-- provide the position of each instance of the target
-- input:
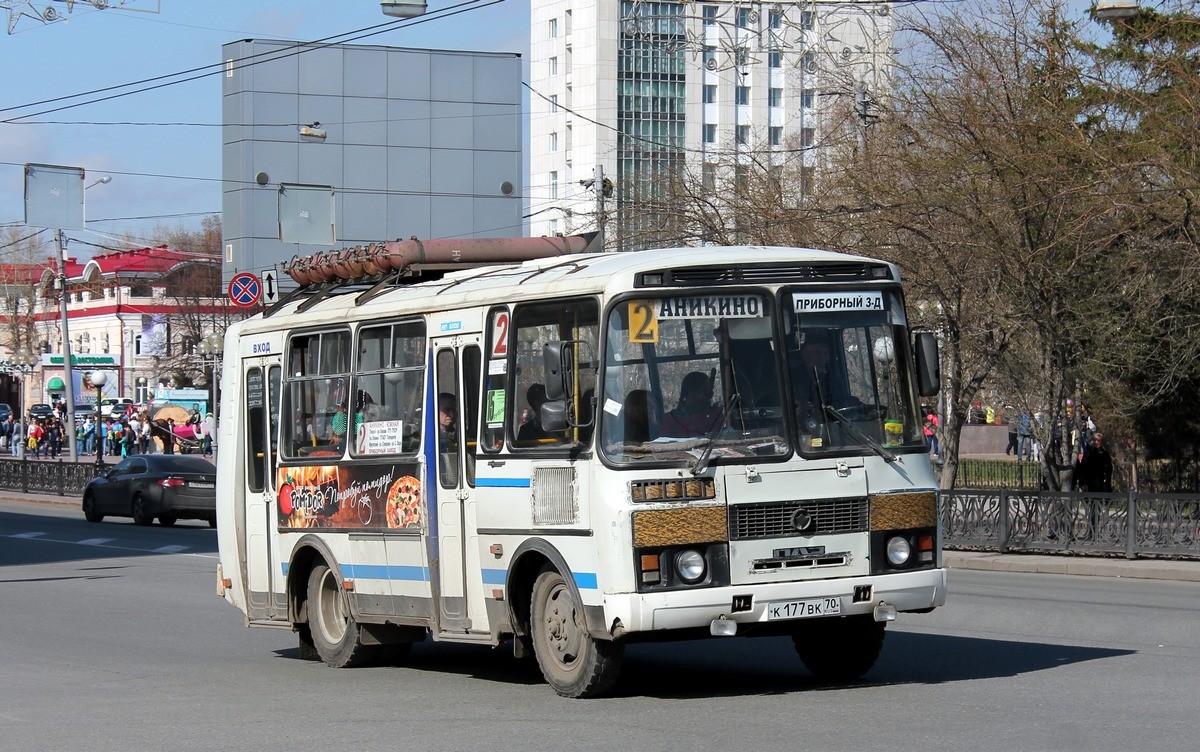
(26, 535)
(170, 549)
(95, 541)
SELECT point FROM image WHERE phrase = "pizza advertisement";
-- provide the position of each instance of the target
(349, 497)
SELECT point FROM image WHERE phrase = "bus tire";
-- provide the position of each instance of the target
(840, 649)
(573, 662)
(336, 636)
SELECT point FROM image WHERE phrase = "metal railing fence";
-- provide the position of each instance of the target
(46, 476)
(1129, 524)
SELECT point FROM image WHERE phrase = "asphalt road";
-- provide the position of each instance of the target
(113, 639)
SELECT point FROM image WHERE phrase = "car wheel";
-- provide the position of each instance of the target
(574, 663)
(335, 634)
(89, 509)
(140, 517)
(167, 520)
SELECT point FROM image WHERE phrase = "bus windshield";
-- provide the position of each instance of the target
(693, 376)
(702, 378)
(848, 366)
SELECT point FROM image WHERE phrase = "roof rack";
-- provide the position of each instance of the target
(380, 267)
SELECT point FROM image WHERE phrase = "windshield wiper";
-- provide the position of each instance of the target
(875, 446)
(705, 456)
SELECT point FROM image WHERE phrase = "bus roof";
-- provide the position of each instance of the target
(580, 274)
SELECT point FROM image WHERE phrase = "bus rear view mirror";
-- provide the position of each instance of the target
(555, 359)
(554, 416)
(929, 375)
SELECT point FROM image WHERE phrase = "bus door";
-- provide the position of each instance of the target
(457, 375)
(265, 596)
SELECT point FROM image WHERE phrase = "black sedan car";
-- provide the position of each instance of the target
(144, 486)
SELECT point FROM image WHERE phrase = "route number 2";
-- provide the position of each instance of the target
(500, 335)
(643, 325)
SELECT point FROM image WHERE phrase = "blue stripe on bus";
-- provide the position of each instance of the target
(502, 482)
(583, 580)
(379, 572)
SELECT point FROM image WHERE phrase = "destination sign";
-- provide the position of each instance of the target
(834, 302)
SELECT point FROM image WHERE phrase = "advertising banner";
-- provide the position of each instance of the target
(350, 497)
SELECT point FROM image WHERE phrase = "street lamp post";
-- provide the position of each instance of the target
(210, 349)
(99, 379)
(23, 363)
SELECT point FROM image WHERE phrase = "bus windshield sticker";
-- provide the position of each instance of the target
(497, 367)
(834, 302)
(380, 437)
(494, 415)
(643, 326)
(612, 407)
(710, 307)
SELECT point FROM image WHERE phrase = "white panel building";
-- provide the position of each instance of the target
(632, 87)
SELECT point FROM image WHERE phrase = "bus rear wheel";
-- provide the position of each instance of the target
(573, 662)
(839, 649)
(336, 636)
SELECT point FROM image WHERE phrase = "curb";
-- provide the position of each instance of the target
(1146, 569)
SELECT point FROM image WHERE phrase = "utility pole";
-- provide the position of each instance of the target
(68, 372)
(603, 188)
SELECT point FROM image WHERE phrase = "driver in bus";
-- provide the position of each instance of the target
(695, 415)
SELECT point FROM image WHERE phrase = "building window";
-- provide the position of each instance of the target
(553, 30)
(554, 227)
(554, 184)
(774, 60)
(710, 15)
(741, 177)
(554, 103)
(808, 137)
(807, 97)
(554, 141)
(809, 62)
(743, 17)
(137, 344)
(807, 174)
(743, 134)
(776, 18)
(775, 97)
(710, 59)
(776, 135)
(743, 95)
(553, 63)
(710, 93)
(709, 177)
(710, 133)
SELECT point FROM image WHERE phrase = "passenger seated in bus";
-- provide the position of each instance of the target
(695, 415)
(447, 436)
(531, 432)
(338, 425)
(637, 417)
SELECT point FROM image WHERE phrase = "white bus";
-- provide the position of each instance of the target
(579, 451)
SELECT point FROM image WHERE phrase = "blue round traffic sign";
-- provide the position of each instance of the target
(245, 289)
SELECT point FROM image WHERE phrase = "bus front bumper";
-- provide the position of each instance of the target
(689, 609)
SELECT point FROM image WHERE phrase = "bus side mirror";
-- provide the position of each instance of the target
(554, 416)
(556, 362)
(929, 374)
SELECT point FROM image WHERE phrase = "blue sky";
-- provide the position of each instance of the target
(92, 49)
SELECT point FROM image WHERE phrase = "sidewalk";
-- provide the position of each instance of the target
(1096, 566)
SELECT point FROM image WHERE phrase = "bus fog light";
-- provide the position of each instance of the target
(884, 612)
(722, 627)
(898, 551)
(690, 566)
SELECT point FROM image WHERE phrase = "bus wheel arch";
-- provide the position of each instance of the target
(531, 558)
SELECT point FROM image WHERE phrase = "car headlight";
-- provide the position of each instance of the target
(898, 551)
(690, 566)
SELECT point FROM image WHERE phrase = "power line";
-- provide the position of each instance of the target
(296, 49)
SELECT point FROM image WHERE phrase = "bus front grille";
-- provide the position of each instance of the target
(787, 519)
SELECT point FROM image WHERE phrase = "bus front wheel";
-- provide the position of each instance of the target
(574, 663)
(839, 649)
(336, 636)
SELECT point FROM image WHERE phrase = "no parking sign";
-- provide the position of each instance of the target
(245, 289)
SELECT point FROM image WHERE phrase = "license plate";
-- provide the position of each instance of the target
(804, 609)
(195, 484)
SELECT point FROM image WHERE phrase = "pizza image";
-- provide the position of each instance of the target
(404, 503)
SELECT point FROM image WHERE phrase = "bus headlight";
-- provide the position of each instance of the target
(690, 566)
(898, 551)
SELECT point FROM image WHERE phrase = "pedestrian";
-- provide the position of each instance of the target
(1012, 435)
(1025, 436)
(1094, 470)
(17, 437)
(128, 441)
(135, 431)
(930, 429)
(54, 437)
(145, 446)
(209, 427)
(168, 437)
